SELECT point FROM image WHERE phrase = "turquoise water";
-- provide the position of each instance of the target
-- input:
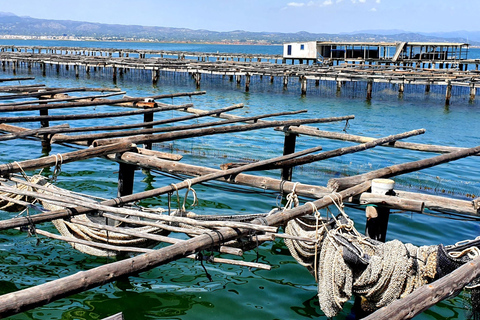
(181, 290)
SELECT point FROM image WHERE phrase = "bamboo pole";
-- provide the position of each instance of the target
(219, 130)
(95, 136)
(343, 183)
(64, 158)
(29, 298)
(90, 115)
(428, 295)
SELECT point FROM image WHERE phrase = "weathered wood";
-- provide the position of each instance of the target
(342, 151)
(344, 183)
(428, 295)
(26, 299)
(392, 202)
(355, 138)
(288, 147)
(67, 98)
(16, 79)
(43, 130)
(160, 154)
(89, 115)
(64, 158)
(218, 130)
(95, 136)
(142, 124)
(96, 102)
(44, 92)
(17, 222)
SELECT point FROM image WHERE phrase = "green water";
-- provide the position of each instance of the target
(181, 290)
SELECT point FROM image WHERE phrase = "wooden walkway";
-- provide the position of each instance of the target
(239, 67)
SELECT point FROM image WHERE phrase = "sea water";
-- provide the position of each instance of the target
(181, 290)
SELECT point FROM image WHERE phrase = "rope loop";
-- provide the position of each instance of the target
(58, 167)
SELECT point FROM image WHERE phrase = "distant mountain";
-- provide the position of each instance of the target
(12, 25)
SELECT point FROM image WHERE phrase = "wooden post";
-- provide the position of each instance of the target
(473, 91)
(247, 82)
(148, 117)
(126, 176)
(303, 85)
(427, 88)
(369, 89)
(155, 76)
(238, 78)
(76, 71)
(198, 77)
(377, 217)
(114, 68)
(285, 82)
(288, 148)
(448, 93)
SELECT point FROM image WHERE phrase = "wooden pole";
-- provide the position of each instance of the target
(64, 158)
(29, 298)
(343, 183)
(288, 148)
(87, 115)
(355, 138)
(94, 136)
(428, 295)
(16, 222)
(217, 130)
(448, 93)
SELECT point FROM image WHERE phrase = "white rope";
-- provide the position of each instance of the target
(58, 167)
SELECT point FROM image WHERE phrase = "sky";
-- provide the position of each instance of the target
(324, 16)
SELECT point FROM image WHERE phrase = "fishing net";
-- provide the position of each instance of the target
(346, 263)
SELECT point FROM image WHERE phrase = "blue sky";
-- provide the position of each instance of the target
(324, 16)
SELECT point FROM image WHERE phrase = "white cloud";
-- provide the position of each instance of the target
(327, 3)
(362, 1)
(373, 9)
(377, 1)
(295, 4)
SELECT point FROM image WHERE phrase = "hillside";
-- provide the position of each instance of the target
(12, 25)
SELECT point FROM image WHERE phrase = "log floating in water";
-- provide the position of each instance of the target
(219, 130)
(16, 79)
(343, 183)
(426, 296)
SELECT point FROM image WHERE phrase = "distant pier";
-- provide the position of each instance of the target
(242, 68)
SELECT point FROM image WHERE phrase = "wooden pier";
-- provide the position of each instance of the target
(243, 69)
(205, 232)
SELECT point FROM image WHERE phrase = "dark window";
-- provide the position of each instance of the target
(289, 50)
(302, 47)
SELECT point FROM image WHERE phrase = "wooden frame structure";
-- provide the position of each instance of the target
(220, 233)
